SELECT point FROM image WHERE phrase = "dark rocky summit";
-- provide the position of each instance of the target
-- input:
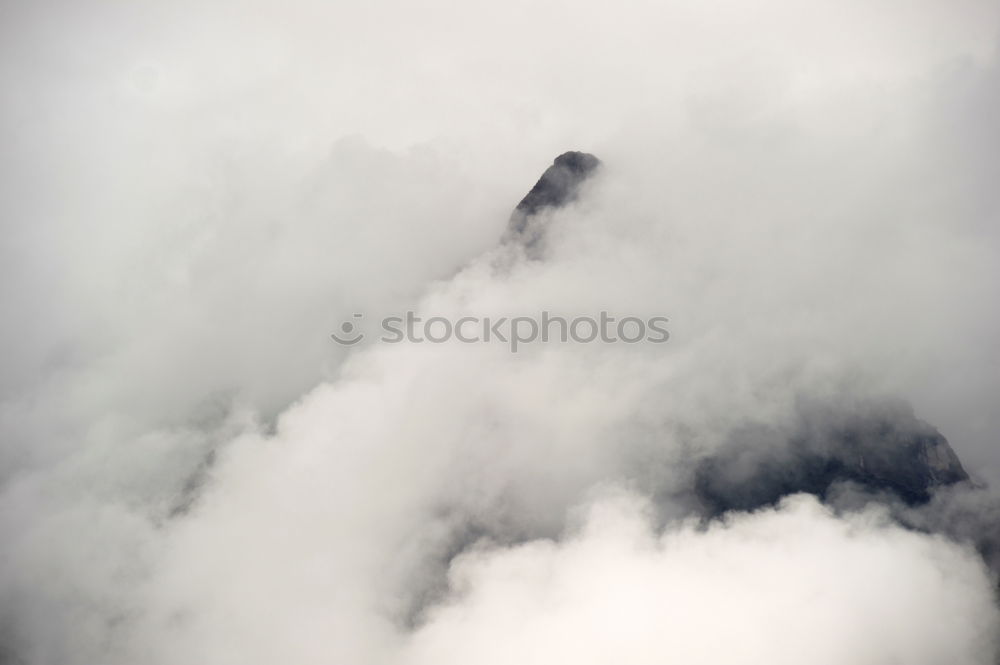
(560, 182)
(559, 185)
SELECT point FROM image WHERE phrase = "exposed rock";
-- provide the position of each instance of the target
(559, 185)
(883, 449)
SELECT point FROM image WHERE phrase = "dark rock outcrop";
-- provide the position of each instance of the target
(559, 185)
(881, 450)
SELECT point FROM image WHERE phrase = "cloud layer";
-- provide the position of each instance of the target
(195, 196)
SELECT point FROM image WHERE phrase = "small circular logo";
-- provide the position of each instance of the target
(347, 328)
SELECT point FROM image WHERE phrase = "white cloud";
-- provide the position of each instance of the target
(778, 586)
(194, 196)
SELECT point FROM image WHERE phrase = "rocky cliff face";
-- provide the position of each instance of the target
(877, 449)
(559, 185)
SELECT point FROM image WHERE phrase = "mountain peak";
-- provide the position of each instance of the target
(560, 184)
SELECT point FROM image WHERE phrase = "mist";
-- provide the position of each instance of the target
(194, 196)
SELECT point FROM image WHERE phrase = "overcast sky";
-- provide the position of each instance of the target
(194, 195)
